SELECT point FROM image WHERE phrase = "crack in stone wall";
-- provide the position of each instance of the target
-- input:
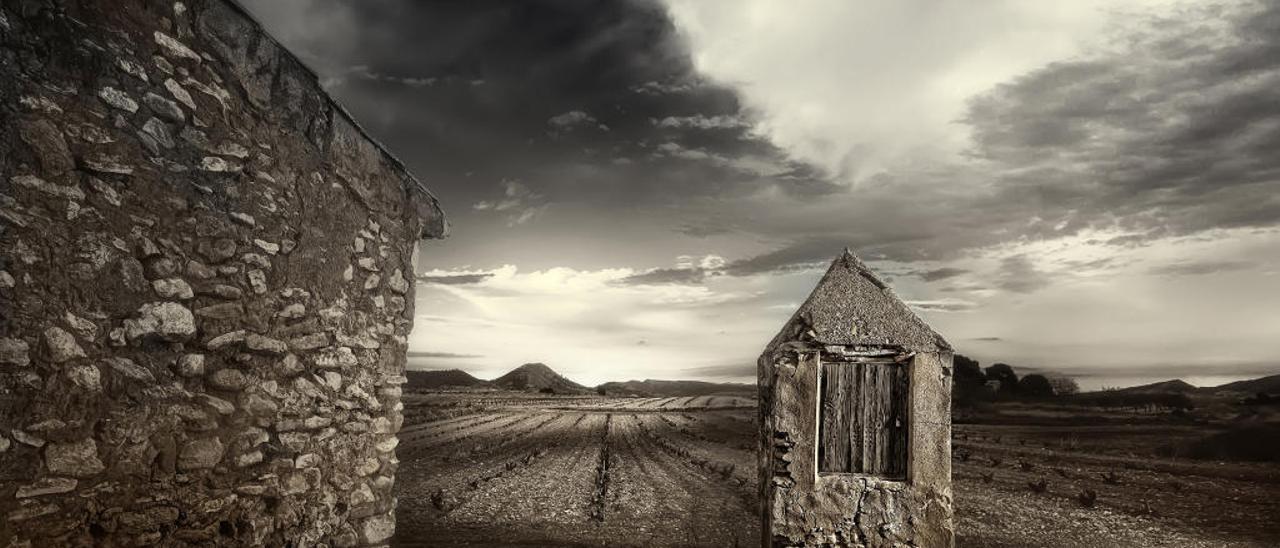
(206, 286)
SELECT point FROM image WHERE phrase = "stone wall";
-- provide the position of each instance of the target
(852, 316)
(205, 286)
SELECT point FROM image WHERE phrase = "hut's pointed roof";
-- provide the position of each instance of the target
(851, 306)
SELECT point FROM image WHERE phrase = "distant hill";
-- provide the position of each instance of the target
(426, 380)
(1176, 386)
(659, 388)
(1264, 385)
(538, 377)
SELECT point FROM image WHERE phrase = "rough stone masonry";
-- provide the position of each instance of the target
(852, 319)
(206, 286)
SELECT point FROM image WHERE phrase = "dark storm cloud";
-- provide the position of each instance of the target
(667, 276)
(519, 204)
(808, 253)
(702, 230)
(1131, 240)
(943, 305)
(1201, 268)
(805, 255)
(455, 279)
(1105, 263)
(1018, 274)
(940, 273)
(1175, 133)
(1172, 130)
(594, 102)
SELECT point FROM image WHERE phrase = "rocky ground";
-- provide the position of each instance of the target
(506, 469)
(1140, 501)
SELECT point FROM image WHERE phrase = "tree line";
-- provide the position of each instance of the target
(973, 383)
(1000, 381)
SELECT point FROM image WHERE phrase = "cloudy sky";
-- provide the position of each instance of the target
(648, 188)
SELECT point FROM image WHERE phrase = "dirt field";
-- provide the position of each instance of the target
(1141, 500)
(511, 469)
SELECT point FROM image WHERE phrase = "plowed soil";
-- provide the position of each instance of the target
(491, 469)
(512, 469)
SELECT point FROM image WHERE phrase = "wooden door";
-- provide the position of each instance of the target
(863, 418)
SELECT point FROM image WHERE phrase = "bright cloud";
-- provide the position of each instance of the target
(858, 87)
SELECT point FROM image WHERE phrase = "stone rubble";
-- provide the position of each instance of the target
(62, 346)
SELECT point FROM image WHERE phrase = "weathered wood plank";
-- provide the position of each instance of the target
(835, 423)
(863, 421)
(899, 437)
(831, 455)
(849, 414)
(872, 418)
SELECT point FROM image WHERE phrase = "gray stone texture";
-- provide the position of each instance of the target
(178, 198)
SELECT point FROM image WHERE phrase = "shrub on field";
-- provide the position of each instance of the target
(1087, 498)
(1132, 400)
(1063, 385)
(1038, 486)
(440, 500)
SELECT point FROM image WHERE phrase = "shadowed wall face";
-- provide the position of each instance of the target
(205, 286)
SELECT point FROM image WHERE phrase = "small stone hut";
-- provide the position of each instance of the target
(206, 286)
(855, 408)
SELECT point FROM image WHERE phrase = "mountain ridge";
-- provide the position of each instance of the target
(1267, 384)
(538, 377)
(668, 388)
(441, 378)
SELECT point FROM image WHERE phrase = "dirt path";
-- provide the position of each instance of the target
(550, 492)
(534, 477)
(529, 487)
(657, 499)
